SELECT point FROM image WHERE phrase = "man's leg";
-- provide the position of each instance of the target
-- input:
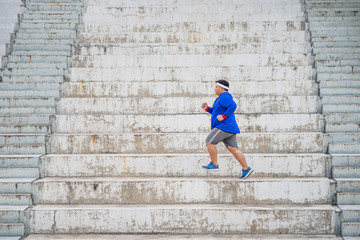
(212, 152)
(239, 157)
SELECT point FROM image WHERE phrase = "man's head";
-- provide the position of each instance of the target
(221, 86)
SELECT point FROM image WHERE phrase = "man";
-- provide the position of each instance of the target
(224, 128)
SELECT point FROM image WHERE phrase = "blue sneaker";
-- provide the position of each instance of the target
(211, 166)
(246, 173)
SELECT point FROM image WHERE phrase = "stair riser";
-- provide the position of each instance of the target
(19, 161)
(12, 230)
(34, 65)
(350, 229)
(164, 143)
(346, 172)
(190, 61)
(18, 111)
(44, 86)
(48, 25)
(52, 8)
(348, 186)
(250, 48)
(346, 160)
(160, 220)
(181, 166)
(34, 72)
(351, 215)
(13, 139)
(177, 123)
(32, 79)
(11, 216)
(27, 102)
(194, 27)
(28, 57)
(22, 149)
(8, 199)
(340, 99)
(24, 129)
(15, 187)
(207, 38)
(187, 191)
(19, 172)
(186, 74)
(191, 89)
(348, 199)
(351, 108)
(22, 47)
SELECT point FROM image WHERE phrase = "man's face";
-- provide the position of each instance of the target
(218, 90)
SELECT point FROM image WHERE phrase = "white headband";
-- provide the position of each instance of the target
(223, 86)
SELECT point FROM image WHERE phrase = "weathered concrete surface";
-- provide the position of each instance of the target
(180, 123)
(179, 237)
(311, 219)
(182, 191)
(300, 142)
(181, 165)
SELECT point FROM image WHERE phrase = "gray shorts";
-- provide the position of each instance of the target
(217, 135)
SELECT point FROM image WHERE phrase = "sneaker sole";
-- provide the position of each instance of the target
(210, 169)
(249, 173)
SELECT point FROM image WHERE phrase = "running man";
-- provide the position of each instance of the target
(224, 128)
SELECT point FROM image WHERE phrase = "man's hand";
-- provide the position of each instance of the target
(204, 106)
(220, 118)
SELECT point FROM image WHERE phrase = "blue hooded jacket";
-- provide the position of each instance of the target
(224, 104)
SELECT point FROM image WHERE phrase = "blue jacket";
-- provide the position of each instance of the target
(224, 104)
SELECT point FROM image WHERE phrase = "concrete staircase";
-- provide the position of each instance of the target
(128, 143)
(31, 76)
(335, 30)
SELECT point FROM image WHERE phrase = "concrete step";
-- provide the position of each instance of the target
(201, 49)
(50, 15)
(30, 86)
(350, 229)
(188, 37)
(350, 213)
(20, 111)
(339, 84)
(15, 199)
(58, 54)
(341, 108)
(191, 73)
(188, 191)
(12, 231)
(178, 237)
(346, 160)
(350, 148)
(340, 39)
(37, 57)
(17, 172)
(324, 44)
(27, 102)
(16, 185)
(175, 105)
(179, 123)
(338, 62)
(37, 65)
(332, 18)
(12, 213)
(211, 26)
(348, 184)
(24, 128)
(31, 93)
(186, 8)
(342, 99)
(343, 138)
(334, 56)
(38, 47)
(181, 165)
(301, 142)
(190, 89)
(348, 198)
(50, 34)
(339, 91)
(228, 60)
(19, 160)
(346, 171)
(22, 138)
(334, 23)
(333, 13)
(338, 50)
(61, 8)
(343, 32)
(338, 69)
(315, 219)
(34, 72)
(235, 16)
(342, 127)
(69, 22)
(49, 25)
(22, 149)
(45, 41)
(25, 119)
(32, 79)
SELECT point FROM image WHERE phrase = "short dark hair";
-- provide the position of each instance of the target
(223, 82)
